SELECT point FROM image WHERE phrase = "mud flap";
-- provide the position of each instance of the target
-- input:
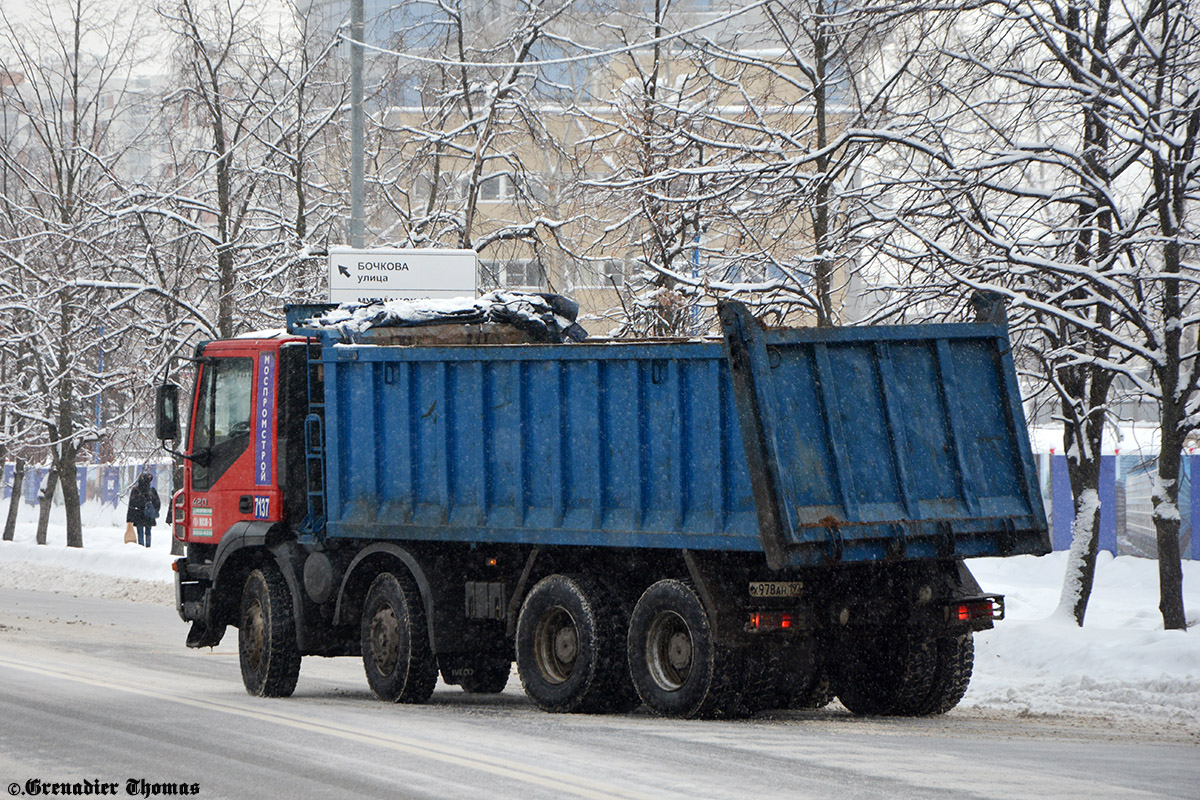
(202, 634)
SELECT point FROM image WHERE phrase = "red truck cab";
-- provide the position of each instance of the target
(237, 465)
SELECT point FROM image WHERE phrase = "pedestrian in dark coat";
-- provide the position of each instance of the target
(142, 499)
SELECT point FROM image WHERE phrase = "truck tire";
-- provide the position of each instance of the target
(571, 647)
(887, 675)
(397, 659)
(677, 667)
(267, 651)
(955, 661)
(785, 676)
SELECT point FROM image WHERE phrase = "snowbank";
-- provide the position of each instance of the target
(1121, 665)
(104, 567)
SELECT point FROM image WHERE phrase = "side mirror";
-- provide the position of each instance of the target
(166, 407)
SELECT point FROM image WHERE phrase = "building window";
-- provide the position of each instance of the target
(140, 164)
(524, 273)
(495, 188)
(598, 274)
(447, 190)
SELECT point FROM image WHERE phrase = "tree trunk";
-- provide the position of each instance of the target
(1166, 531)
(822, 228)
(45, 502)
(10, 525)
(1085, 539)
(1084, 393)
(70, 490)
(1170, 573)
(1173, 416)
(67, 456)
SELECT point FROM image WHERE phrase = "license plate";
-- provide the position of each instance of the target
(776, 588)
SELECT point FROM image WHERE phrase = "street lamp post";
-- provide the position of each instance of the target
(357, 220)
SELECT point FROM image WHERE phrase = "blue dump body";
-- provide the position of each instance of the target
(813, 446)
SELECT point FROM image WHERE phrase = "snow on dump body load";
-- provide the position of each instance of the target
(825, 445)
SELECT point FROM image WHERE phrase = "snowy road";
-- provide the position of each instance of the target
(104, 690)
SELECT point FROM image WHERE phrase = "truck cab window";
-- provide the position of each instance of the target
(222, 430)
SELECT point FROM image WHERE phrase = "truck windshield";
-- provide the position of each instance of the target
(222, 429)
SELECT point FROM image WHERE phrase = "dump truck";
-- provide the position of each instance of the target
(768, 518)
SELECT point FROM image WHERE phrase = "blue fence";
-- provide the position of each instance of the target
(107, 483)
(1126, 508)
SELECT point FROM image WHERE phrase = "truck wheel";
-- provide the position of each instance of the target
(786, 676)
(677, 667)
(955, 661)
(571, 647)
(267, 649)
(887, 675)
(396, 655)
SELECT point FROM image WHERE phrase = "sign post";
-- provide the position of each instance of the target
(361, 276)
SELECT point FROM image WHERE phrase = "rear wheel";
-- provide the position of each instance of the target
(888, 674)
(267, 651)
(677, 667)
(571, 647)
(786, 675)
(955, 661)
(397, 659)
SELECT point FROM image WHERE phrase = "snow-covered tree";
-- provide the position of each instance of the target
(244, 179)
(733, 151)
(1034, 159)
(463, 146)
(66, 66)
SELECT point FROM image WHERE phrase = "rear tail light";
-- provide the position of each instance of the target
(770, 620)
(976, 608)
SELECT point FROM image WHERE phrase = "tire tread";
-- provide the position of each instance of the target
(421, 675)
(282, 657)
(955, 663)
(889, 675)
(604, 686)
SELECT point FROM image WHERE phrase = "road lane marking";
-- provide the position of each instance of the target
(501, 767)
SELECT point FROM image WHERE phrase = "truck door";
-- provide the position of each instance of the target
(222, 469)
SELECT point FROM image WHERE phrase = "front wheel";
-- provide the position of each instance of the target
(267, 651)
(396, 655)
(677, 667)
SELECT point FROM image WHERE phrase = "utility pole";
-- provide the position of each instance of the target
(99, 394)
(357, 162)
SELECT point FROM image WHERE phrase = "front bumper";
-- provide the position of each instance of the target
(191, 594)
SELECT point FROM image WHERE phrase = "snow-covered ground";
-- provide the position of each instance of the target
(1120, 665)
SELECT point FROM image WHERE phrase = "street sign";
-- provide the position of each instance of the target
(359, 276)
